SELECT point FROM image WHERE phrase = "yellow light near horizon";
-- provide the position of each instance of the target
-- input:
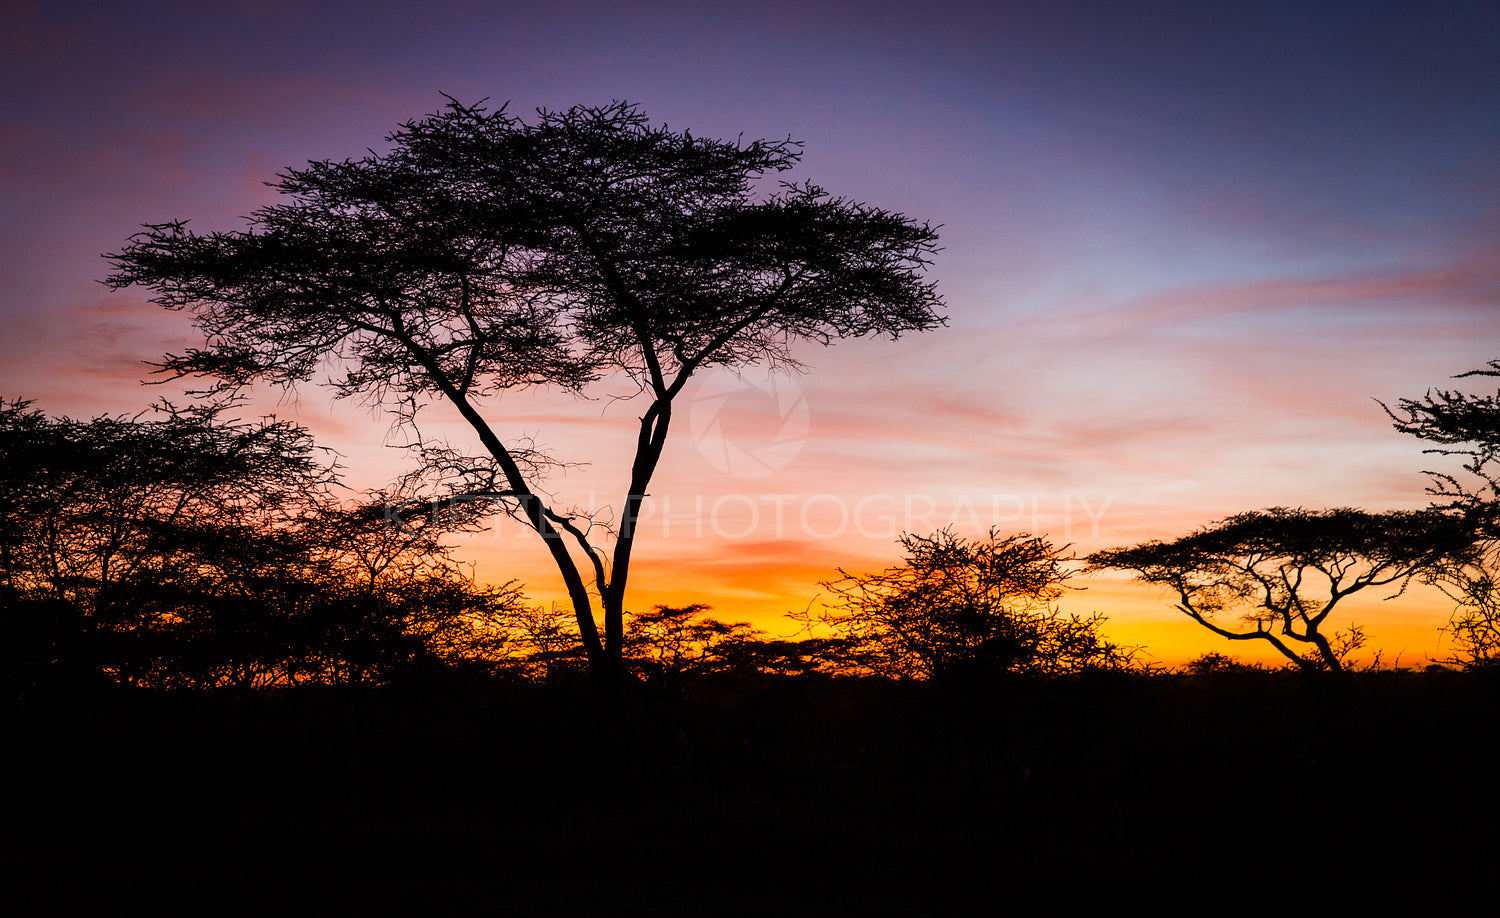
(760, 582)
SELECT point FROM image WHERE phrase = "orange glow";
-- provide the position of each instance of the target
(759, 581)
(1177, 282)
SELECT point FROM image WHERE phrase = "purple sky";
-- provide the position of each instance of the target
(1184, 249)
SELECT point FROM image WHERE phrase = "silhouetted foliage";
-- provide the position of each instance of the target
(542, 644)
(1463, 425)
(178, 548)
(669, 643)
(1469, 426)
(959, 609)
(1210, 663)
(483, 253)
(1252, 576)
(1475, 624)
(110, 522)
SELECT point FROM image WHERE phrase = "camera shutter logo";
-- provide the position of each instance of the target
(740, 452)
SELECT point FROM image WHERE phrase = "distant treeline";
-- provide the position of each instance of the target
(181, 548)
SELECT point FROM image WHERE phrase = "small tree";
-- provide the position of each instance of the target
(668, 643)
(483, 254)
(1468, 426)
(1253, 576)
(958, 609)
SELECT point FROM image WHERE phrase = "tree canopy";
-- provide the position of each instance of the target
(1266, 567)
(481, 253)
(180, 547)
(958, 609)
(1469, 426)
(1461, 425)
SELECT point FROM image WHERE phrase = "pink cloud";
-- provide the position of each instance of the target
(1469, 287)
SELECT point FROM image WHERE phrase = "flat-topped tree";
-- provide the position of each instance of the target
(1276, 575)
(482, 253)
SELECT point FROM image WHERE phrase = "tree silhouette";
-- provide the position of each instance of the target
(483, 254)
(1252, 576)
(181, 548)
(958, 609)
(107, 521)
(1469, 426)
(670, 643)
(1461, 425)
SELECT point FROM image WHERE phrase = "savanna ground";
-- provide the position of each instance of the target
(756, 795)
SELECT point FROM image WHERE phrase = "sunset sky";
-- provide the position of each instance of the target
(1185, 251)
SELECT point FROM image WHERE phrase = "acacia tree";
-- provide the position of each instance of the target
(87, 506)
(671, 642)
(482, 253)
(394, 568)
(1468, 426)
(180, 547)
(110, 525)
(1265, 566)
(956, 609)
(1462, 425)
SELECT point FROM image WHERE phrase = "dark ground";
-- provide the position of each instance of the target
(759, 796)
